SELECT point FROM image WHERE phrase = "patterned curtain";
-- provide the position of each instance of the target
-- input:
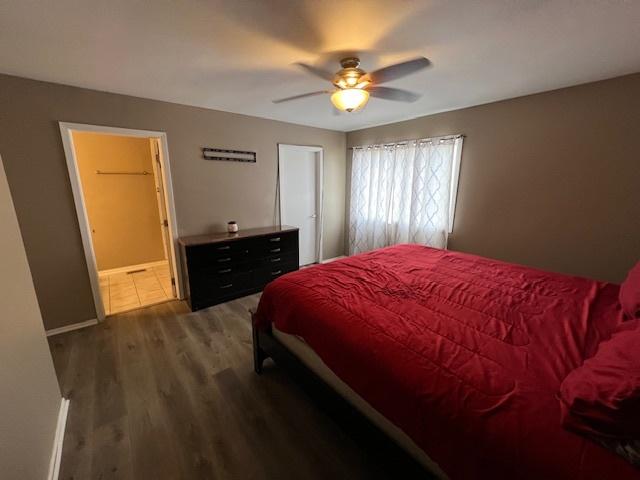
(403, 193)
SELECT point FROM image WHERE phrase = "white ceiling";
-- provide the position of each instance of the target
(237, 55)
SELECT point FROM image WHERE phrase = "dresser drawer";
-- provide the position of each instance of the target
(217, 286)
(213, 256)
(266, 274)
(224, 269)
(276, 244)
(278, 259)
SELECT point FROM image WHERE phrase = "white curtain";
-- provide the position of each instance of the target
(403, 193)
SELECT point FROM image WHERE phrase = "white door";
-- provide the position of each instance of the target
(300, 177)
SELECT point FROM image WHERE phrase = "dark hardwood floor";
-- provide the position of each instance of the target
(163, 393)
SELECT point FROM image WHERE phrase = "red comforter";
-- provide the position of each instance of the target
(463, 353)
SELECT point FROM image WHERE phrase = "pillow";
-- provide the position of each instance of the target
(630, 293)
(602, 397)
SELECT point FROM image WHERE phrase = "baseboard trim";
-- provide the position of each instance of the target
(130, 268)
(56, 452)
(333, 259)
(69, 328)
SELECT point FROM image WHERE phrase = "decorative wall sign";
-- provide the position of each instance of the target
(228, 155)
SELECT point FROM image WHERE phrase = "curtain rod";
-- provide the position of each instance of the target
(404, 142)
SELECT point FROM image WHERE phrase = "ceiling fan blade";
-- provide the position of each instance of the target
(395, 94)
(398, 70)
(303, 95)
(318, 72)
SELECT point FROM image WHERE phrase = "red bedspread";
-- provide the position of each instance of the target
(463, 353)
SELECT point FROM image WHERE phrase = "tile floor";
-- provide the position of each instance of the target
(127, 291)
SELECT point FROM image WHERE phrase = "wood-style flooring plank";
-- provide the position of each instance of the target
(60, 346)
(164, 393)
(194, 455)
(231, 449)
(149, 436)
(111, 430)
(77, 383)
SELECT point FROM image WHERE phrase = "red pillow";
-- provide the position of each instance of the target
(602, 397)
(630, 293)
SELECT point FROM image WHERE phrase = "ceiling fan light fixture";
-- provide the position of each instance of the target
(352, 85)
(350, 99)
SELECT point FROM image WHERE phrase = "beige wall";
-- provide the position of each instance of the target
(122, 209)
(30, 398)
(207, 193)
(549, 180)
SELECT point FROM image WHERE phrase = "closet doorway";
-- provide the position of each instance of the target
(300, 171)
(122, 190)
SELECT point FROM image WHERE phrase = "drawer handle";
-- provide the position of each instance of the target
(226, 259)
(275, 260)
(226, 247)
(224, 270)
(274, 250)
(277, 272)
(274, 239)
(228, 285)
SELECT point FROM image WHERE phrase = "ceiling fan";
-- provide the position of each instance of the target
(353, 86)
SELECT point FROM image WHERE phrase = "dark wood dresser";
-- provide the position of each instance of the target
(219, 267)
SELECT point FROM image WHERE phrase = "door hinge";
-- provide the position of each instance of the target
(173, 281)
(158, 159)
(165, 223)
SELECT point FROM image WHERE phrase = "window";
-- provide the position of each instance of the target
(404, 193)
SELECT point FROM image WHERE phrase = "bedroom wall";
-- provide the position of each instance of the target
(122, 209)
(549, 180)
(207, 193)
(30, 398)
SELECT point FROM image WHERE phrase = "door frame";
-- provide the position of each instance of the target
(319, 190)
(163, 211)
(66, 130)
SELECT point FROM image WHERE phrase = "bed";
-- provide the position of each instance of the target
(457, 358)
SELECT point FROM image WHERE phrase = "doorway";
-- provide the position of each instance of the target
(122, 190)
(300, 190)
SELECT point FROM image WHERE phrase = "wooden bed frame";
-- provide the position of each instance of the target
(394, 460)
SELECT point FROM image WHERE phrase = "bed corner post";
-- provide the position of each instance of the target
(259, 355)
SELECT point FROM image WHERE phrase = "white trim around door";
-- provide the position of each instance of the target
(319, 151)
(66, 130)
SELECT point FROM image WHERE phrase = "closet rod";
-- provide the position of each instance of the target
(144, 172)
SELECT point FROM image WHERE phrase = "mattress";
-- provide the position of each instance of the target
(463, 354)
